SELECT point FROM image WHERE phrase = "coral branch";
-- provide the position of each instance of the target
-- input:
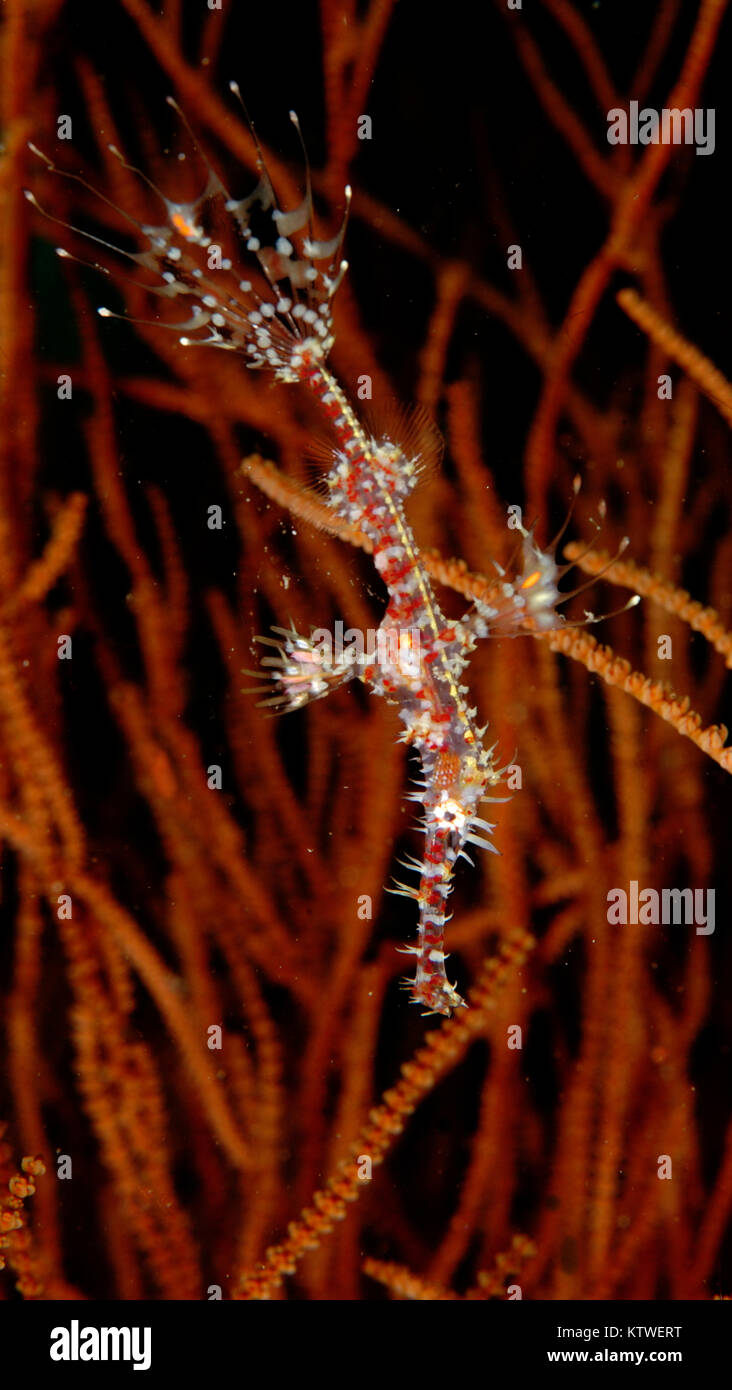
(707, 377)
(403, 1284)
(653, 586)
(656, 695)
(441, 1052)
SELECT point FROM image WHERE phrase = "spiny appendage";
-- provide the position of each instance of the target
(528, 603)
(304, 669)
(454, 785)
(430, 987)
(256, 280)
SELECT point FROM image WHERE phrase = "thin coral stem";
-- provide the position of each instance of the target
(440, 1053)
(598, 170)
(57, 555)
(659, 697)
(707, 377)
(653, 586)
(630, 209)
(402, 1283)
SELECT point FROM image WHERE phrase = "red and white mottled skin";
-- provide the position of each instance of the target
(279, 318)
(368, 485)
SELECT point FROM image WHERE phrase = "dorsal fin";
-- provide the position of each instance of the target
(411, 429)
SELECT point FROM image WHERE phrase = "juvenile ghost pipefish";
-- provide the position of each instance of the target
(268, 295)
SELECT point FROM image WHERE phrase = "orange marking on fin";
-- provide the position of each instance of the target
(186, 229)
